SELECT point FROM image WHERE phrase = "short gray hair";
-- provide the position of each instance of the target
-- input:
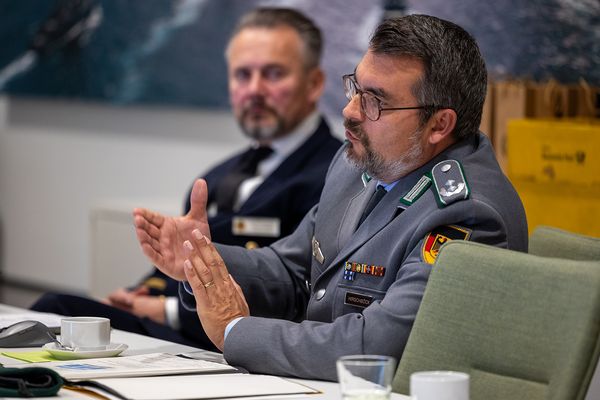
(455, 75)
(272, 17)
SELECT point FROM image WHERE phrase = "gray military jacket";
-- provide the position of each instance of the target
(332, 288)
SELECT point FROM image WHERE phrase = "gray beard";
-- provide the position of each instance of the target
(387, 171)
(262, 133)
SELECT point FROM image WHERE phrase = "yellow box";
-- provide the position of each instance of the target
(555, 167)
(574, 210)
(554, 152)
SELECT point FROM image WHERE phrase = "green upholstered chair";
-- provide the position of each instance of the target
(553, 242)
(549, 241)
(524, 327)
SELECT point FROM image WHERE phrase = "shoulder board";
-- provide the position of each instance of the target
(156, 283)
(449, 182)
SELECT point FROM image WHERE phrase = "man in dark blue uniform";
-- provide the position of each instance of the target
(257, 196)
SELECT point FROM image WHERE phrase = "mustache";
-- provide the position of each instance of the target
(257, 102)
(354, 127)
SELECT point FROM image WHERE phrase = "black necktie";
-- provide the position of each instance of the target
(227, 190)
(375, 199)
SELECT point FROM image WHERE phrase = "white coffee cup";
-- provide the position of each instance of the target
(439, 385)
(85, 333)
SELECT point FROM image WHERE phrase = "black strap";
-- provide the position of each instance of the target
(375, 199)
(227, 189)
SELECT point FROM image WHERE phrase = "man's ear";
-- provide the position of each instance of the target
(316, 84)
(441, 126)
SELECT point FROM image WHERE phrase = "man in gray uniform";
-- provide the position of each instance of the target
(414, 173)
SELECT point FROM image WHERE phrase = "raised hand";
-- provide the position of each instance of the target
(219, 299)
(161, 236)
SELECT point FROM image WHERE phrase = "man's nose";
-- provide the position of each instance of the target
(256, 85)
(353, 111)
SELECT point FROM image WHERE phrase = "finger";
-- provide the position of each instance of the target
(237, 287)
(144, 238)
(152, 254)
(221, 267)
(141, 290)
(150, 216)
(199, 265)
(198, 199)
(126, 298)
(116, 296)
(241, 299)
(144, 224)
(211, 257)
(196, 284)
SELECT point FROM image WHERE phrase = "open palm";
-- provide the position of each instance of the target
(162, 237)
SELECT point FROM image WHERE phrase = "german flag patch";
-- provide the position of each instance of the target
(440, 235)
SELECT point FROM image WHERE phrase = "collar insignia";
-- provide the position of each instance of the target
(365, 178)
(413, 194)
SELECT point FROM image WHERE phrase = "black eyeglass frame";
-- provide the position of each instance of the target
(352, 79)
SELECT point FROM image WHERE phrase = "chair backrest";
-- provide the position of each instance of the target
(548, 241)
(524, 327)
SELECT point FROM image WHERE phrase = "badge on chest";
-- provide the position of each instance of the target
(256, 226)
(352, 268)
(357, 299)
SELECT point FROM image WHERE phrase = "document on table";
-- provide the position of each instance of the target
(186, 387)
(141, 365)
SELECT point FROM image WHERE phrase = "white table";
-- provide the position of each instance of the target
(139, 344)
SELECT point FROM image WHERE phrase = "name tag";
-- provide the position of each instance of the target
(256, 226)
(358, 300)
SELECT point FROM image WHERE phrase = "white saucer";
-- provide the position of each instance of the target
(59, 353)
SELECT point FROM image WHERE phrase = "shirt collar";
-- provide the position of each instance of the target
(387, 186)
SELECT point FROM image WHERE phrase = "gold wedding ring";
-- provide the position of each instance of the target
(209, 284)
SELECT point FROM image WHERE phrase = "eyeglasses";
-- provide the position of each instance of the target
(370, 105)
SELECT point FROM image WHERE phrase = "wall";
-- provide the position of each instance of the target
(59, 161)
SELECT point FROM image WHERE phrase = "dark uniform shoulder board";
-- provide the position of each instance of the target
(416, 191)
(449, 182)
(440, 235)
(155, 283)
(365, 178)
